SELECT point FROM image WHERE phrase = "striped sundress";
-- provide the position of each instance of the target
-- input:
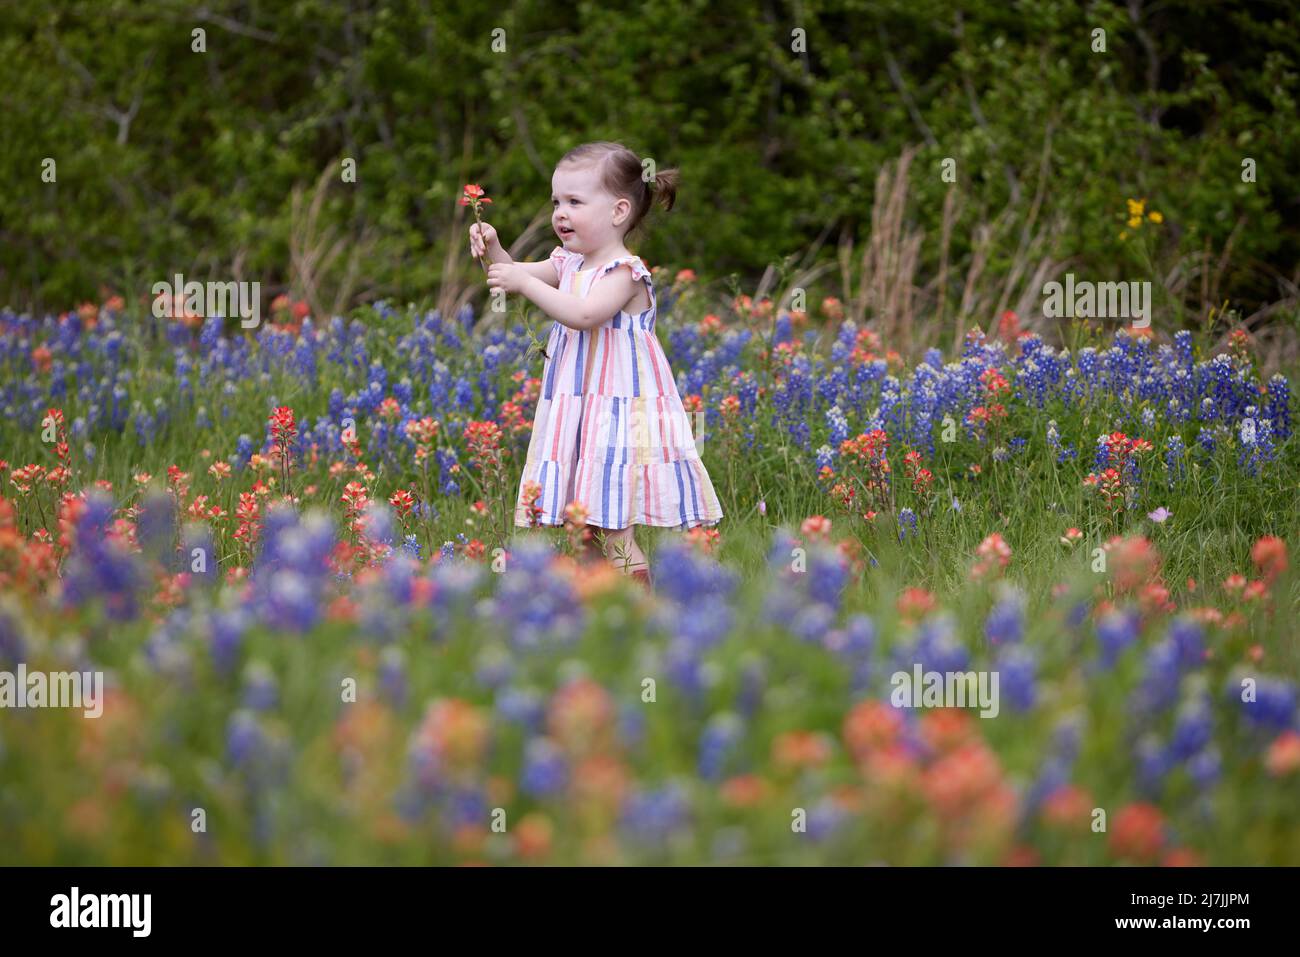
(610, 431)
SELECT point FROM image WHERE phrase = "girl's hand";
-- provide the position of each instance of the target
(511, 277)
(480, 241)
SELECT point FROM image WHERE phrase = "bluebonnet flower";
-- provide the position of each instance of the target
(392, 676)
(378, 523)
(1063, 452)
(462, 394)
(100, 568)
(753, 681)
(783, 328)
(718, 744)
(825, 457)
(1016, 668)
(812, 622)
(1205, 766)
(652, 816)
(685, 668)
(1257, 443)
(261, 693)
(1187, 636)
(1052, 775)
(1162, 671)
(844, 341)
(1220, 372)
(336, 404)
(13, 648)
(906, 523)
(1277, 407)
(402, 390)
(1183, 348)
(827, 576)
(156, 526)
(244, 738)
(692, 580)
(1154, 762)
(209, 335)
(1274, 704)
(304, 361)
(521, 706)
(839, 429)
(228, 627)
(1247, 428)
(166, 651)
(855, 641)
(1193, 729)
(446, 458)
(1006, 621)
(1116, 632)
(411, 546)
(292, 603)
(1175, 453)
(631, 724)
(1067, 735)
(545, 771)
(825, 818)
(465, 806)
(199, 554)
(292, 570)
(1101, 459)
(935, 648)
(145, 426)
(536, 605)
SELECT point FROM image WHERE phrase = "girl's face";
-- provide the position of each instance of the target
(584, 216)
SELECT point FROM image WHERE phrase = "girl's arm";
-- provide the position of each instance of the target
(609, 296)
(544, 270)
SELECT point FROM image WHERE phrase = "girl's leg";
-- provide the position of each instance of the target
(621, 549)
(593, 548)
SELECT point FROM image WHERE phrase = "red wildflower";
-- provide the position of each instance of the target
(283, 427)
(1283, 754)
(816, 527)
(1137, 832)
(473, 195)
(915, 603)
(42, 359)
(994, 554)
(1269, 554)
(402, 501)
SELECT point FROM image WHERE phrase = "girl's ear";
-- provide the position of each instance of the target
(622, 209)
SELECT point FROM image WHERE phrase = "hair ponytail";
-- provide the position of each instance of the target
(664, 187)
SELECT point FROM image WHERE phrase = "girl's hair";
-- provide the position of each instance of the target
(621, 175)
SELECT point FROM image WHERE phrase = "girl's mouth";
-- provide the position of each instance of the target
(565, 232)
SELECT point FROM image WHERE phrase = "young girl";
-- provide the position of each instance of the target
(610, 431)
